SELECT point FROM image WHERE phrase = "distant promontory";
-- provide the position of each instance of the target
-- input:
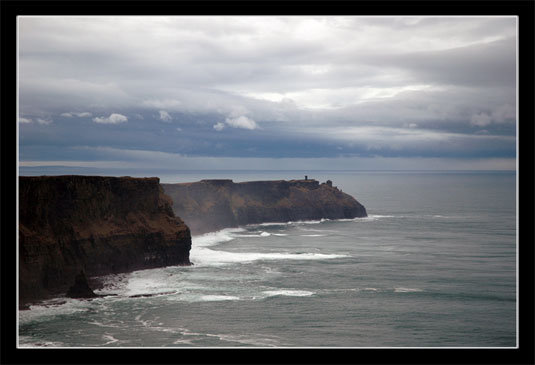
(209, 205)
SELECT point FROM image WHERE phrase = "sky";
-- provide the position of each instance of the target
(267, 92)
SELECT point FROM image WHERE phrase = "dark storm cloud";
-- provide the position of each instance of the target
(269, 86)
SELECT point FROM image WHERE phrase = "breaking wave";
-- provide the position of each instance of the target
(289, 293)
(203, 254)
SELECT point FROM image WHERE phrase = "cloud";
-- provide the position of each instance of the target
(114, 118)
(481, 119)
(25, 120)
(80, 115)
(44, 121)
(241, 122)
(48, 92)
(505, 113)
(219, 126)
(165, 116)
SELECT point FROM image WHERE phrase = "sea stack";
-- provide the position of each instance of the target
(80, 288)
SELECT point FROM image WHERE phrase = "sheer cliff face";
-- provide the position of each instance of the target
(210, 205)
(98, 224)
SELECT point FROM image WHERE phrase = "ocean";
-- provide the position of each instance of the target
(433, 265)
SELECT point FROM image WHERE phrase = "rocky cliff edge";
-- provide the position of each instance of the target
(101, 225)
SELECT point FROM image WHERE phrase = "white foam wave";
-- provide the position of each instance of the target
(214, 298)
(138, 285)
(289, 293)
(152, 282)
(214, 238)
(407, 290)
(145, 323)
(372, 217)
(369, 218)
(343, 290)
(308, 222)
(269, 224)
(308, 229)
(313, 235)
(110, 339)
(378, 216)
(157, 282)
(183, 341)
(152, 326)
(262, 234)
(245, 339)
(195, 297)
(204, 256)
(451, 216)
(28, 341)
(54, 307)
(100, 324)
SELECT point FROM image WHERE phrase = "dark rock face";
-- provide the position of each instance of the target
(101, 225)
(210, 205)
(80, 288)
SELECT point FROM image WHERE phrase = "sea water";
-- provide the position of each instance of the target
(433, 265)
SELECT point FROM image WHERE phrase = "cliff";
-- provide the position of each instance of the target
(100, 225)
(209, 205)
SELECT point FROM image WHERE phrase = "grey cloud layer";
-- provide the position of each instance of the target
(296, 76)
